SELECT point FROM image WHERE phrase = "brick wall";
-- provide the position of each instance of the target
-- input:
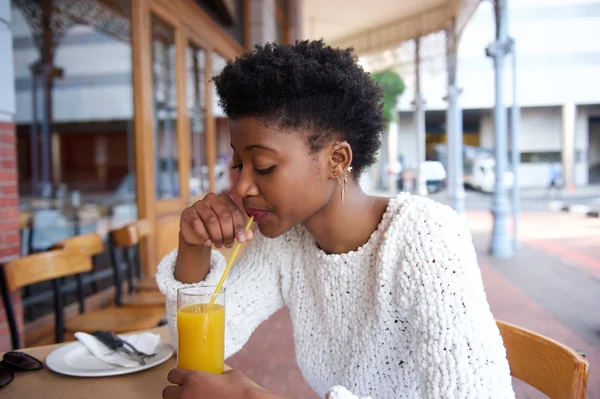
(9, 219)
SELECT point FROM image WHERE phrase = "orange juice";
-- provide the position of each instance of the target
(201, 342)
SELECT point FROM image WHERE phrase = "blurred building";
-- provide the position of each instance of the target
(558, 57)
(107, 106)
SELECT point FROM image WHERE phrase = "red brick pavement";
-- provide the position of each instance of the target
(268, 358)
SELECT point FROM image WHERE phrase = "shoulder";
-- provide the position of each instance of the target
(421, 216)
(433, 240)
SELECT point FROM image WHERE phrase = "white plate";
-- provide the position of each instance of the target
(76, 360)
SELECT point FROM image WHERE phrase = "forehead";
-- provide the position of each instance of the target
(249, 132)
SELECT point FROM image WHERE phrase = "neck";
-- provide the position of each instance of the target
(339, 228)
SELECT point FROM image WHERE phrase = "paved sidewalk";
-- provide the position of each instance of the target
(552, 287)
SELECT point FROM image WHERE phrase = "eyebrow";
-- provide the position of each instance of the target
(260, 147)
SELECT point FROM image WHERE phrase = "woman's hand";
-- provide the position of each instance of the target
(214, 220)
(196, 385)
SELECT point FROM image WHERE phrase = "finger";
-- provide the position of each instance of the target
(238, 218)
(178, 376)
(192, 228)
(172, 392)
(225, 222)
(234, 373)
(252, 232)
(211, 223)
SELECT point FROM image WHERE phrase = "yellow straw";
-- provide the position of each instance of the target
(236, 249)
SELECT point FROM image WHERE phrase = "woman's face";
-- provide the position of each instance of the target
(280, 182)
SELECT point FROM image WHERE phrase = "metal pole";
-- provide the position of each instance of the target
(46, 121)
(456, 190)
(33, 132)
(420, 121)
(514, 150)
(500, 244)
(47, 74)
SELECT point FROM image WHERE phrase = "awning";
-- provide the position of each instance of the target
(372, 26)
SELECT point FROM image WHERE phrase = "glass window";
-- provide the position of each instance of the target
(196, 60)
(165, 109)
(541, 157)
(75, 133)
(223, 171)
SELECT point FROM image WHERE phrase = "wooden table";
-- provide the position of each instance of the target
(46, 384)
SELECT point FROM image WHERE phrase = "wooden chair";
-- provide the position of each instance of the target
(556, 370)
(51, 266)
(90, 244)
(124, 249)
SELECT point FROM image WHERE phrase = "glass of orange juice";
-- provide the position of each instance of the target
(201, 329)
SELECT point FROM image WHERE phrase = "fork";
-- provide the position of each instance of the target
(114, 342)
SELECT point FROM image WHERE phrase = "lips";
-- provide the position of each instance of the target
(258, 214)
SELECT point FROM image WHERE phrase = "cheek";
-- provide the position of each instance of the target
(303, 190)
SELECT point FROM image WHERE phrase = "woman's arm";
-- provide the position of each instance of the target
(459, 350)
(253, 291)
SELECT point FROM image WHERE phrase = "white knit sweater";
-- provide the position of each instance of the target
(403, 316)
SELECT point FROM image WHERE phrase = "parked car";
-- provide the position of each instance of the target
(435, 176)
(482, 175)
(433, 172)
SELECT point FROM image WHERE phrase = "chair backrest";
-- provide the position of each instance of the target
(44, 266)
(31, 269)
(144, 228)
(556, 370)
(124, 245)
(126, 236)
(131, 234)
(91, 244)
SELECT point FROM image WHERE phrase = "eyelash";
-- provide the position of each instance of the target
(261, 172)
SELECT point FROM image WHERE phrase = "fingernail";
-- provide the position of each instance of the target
(208, 243)
(241, 236)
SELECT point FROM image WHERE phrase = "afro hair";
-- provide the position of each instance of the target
(311, 87)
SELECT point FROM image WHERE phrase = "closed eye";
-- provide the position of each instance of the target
(265, 171)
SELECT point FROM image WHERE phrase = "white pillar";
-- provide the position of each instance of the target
(456, 189)
(454, 125)
(500, 245)
(420, 121)
(392, 156)
(568, 145)
(262, 20)
(7, 76)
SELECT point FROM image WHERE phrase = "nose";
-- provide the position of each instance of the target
(245, 186)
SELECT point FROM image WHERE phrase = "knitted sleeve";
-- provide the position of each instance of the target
(340, 392)
(458, 349)
(252, 290)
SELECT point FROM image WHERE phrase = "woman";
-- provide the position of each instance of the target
(385, 295)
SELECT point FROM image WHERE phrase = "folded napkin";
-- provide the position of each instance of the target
(144, 342)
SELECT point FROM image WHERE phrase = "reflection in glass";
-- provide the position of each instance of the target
(165, 109)
(74, 117)
(196, 59)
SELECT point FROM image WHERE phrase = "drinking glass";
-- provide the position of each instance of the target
(201, 329)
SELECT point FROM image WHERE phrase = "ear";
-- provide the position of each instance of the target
(340, 158)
